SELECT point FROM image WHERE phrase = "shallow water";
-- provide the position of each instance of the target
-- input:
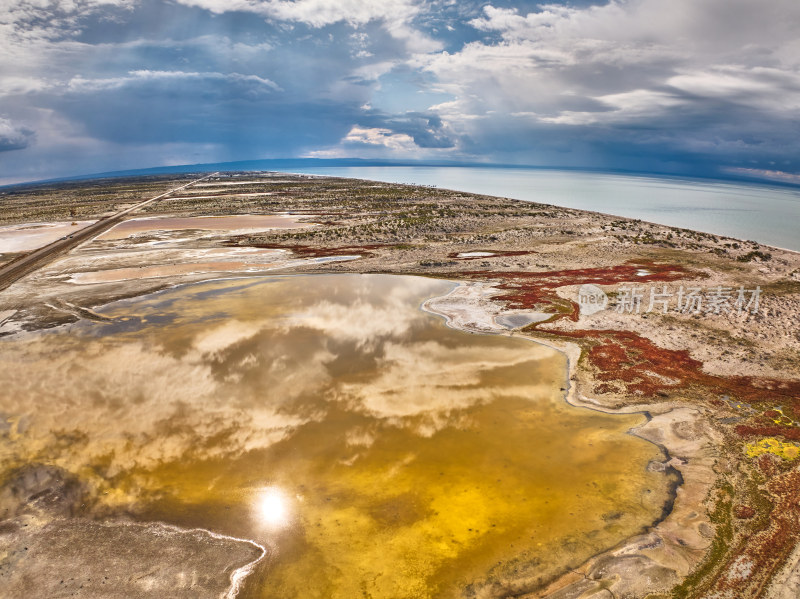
(373, 450)
(31, 236)
(475, 254)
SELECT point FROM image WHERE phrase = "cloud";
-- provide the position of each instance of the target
(682, 79)
(232, 367)
(14, 137)
(79, 84)
(766, 88)
(317, 13)
(380, 137)
(692, 86)
(384, 317)
(426, 129)
(107, 91)
(434, 378)
(39, 20)
(395, 15)
(12, 86)
(766, 174)
(171, 406)
(248, 112)
(372, 142)
(411, 134)
(629, 106)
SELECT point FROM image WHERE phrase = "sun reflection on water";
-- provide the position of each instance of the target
(273, 508)
(369, 446)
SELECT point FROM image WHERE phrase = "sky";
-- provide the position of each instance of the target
(694, 87)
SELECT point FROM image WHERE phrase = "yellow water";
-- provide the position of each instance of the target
(374, 451)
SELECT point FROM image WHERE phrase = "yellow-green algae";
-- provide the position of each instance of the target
(783, 449)
(782, 418)
(373, 450)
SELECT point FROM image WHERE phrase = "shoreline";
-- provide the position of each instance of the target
(534, 257)
(687, 181)
(612, 559)
(239, 576)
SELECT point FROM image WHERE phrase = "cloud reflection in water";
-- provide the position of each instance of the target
(331, 418)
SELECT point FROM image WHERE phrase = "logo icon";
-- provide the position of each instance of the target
(591, 299)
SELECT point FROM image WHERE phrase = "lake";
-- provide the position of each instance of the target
(370, 448)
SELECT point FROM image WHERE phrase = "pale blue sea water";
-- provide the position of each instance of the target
(763, 213)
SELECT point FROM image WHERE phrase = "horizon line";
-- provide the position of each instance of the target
(204, 167)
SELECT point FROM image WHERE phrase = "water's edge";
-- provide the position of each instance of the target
(658, 419)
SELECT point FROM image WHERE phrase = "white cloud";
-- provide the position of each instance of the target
(376, 142)
(12, 85)
(159, 388)
(80, 84)
(380, 137)
(396, 15)
(709, 74)
(316, 13)
(627, 106)
(766, 174)
(50, 19)
(764, 87)
(431, 378)
(513, 24)
(625, 62)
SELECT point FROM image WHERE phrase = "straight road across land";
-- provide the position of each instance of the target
(36, 259)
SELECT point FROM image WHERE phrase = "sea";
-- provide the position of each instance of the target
(749, 211)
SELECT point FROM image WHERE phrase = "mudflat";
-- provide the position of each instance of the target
(694, 336)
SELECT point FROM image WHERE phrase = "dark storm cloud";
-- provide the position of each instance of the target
(14, 137)
(681, 85)
(247, 114)
(693, 86)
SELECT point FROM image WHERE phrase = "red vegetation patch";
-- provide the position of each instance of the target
(605, 388)
(766, 463)
(528, 290)
(625, 361)
(307, 251)
(790, 433)
(743, 512)
(762, 553)
(646, 369)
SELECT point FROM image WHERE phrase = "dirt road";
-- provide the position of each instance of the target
(26, 264)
